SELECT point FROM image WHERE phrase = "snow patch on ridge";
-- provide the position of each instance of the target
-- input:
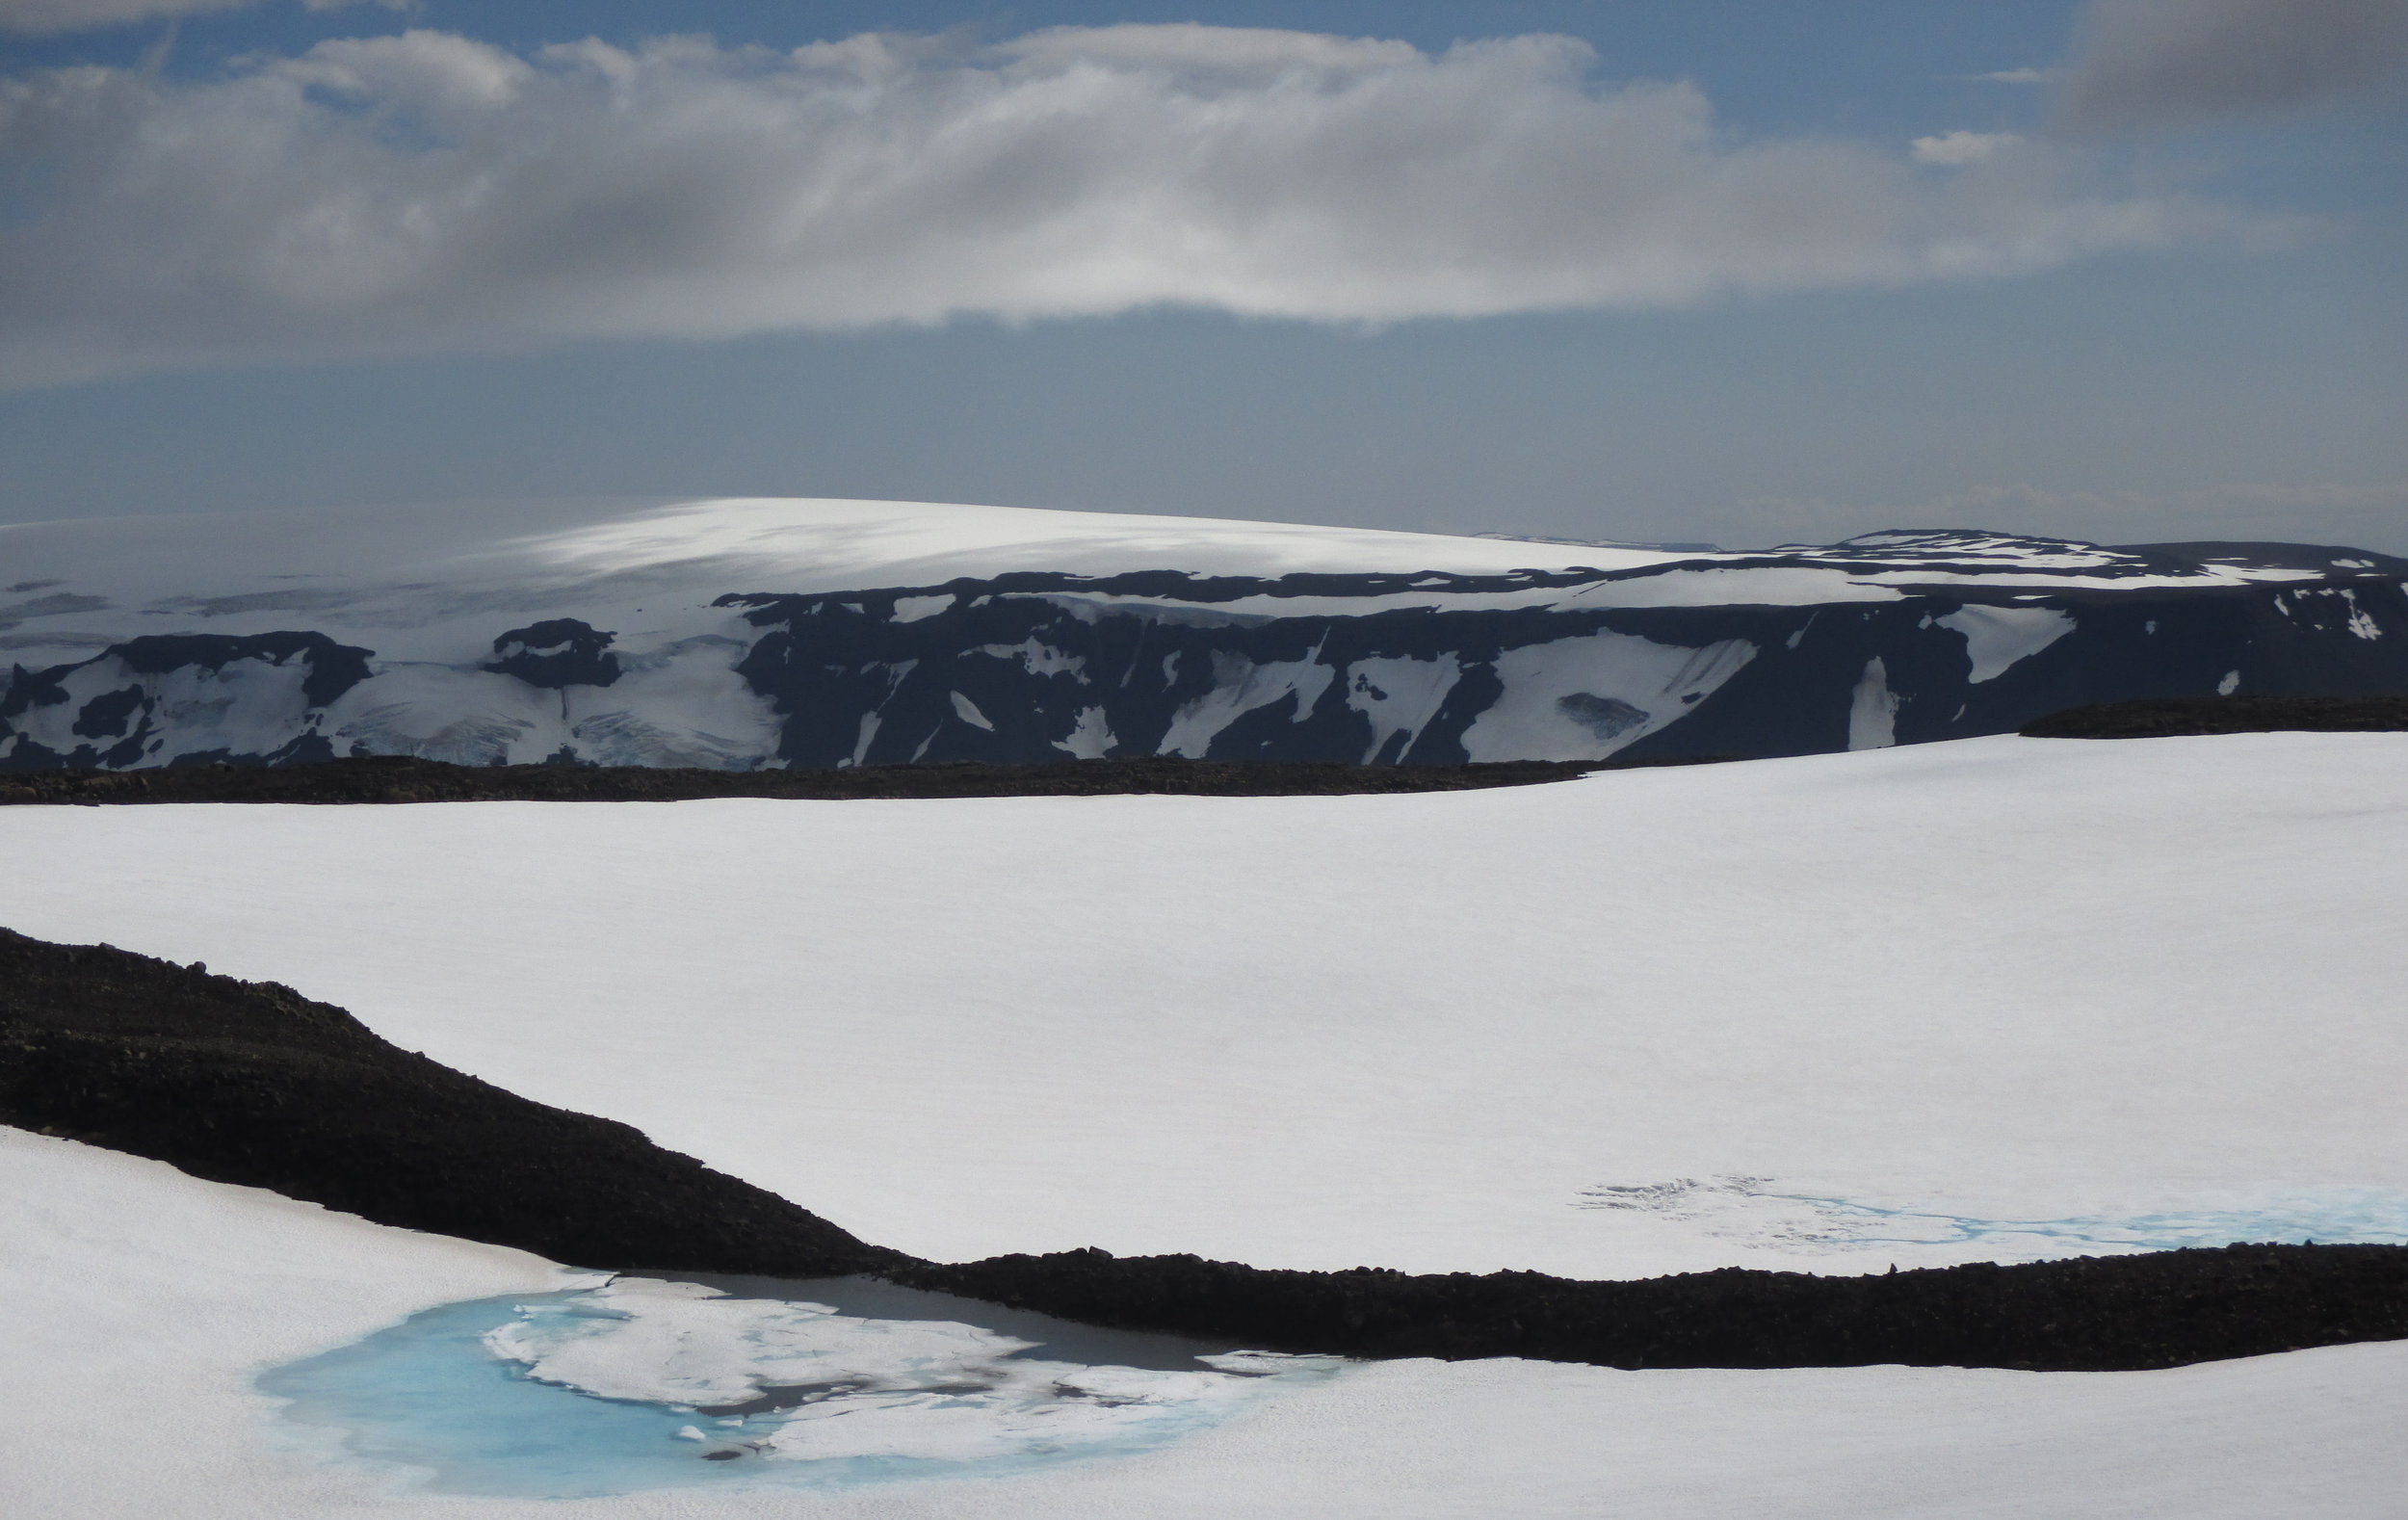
(1038, 658)
(683, 704)
(968, 711)
(1400, 696)
(1873, 712)
(1996, 637)
(1090, 736)
(1240, 686)
(1584, 698)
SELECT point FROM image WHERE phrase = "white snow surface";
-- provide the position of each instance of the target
(432, 584)
(138, 1304)
(2022, 997)
(435, 583)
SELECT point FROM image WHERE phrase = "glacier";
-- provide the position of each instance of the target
(2000, 979)
(770, 633)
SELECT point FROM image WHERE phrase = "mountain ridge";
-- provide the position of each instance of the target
(750, 635)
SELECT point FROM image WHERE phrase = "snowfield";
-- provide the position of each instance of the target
(139, 1304)
(1997, 999)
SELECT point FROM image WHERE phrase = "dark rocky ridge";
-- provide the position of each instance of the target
(402, 778)
(2174, 718)
(251, 1082)
(2095, 1314)
(254, 1083)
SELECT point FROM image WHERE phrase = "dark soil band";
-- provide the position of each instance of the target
(401, 779)
(2181, 717)
(2100, 1314)
(251, 1083)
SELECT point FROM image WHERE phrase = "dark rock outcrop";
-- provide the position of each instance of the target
(251, 1082)
(2101, 1314)
(118, 700)
(2180, 716)
(254, 1083)
(399, 778)
(558, 652)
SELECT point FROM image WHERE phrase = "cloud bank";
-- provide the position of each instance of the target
(1962, 148)
(424, 192)
(2166, 62)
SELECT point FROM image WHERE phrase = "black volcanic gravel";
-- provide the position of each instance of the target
(2178, 717)
(2101, 1314)
(400, 779)
(251, 1082)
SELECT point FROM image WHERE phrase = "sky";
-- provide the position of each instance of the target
(1737, 271)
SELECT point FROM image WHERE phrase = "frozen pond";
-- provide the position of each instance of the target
(639, 1383)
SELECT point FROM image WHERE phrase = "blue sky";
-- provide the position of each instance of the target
(1743, 272)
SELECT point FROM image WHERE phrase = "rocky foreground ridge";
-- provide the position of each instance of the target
(251, 1083)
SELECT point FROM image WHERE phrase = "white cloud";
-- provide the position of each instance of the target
(1956, 148)
(2149, 63)
(1188, 46)
(424, 192)
(2017, 76)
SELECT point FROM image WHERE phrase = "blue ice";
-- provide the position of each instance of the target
(647, 1384)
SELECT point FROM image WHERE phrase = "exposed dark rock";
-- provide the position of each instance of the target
(105, 715)
(251, 1082)
(27, 690)
(334, 668)
(881, 675)
(119, 723)
(394, 778)
(2177, 716)
(558, 652)
(2163, 1309)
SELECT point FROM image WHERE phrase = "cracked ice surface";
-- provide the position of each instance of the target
(840, 1385)
(639, 1384)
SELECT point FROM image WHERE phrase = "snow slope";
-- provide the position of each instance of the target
(139, 1305)
(737, 634)
(1995, 999)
